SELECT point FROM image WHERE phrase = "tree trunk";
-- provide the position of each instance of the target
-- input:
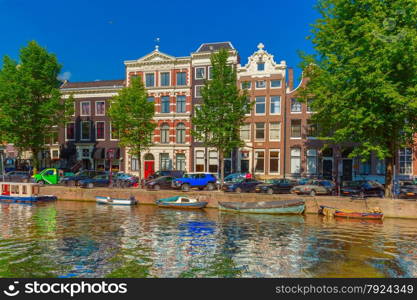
(35, 159)
(140, 168)
(389, 176)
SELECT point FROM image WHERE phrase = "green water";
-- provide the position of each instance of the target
(74, 239)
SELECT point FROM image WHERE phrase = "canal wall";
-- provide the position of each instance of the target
(392, 208)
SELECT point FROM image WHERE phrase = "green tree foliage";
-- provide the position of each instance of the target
(131, 114)
(218, 120)
(364, 75)
(30, 99)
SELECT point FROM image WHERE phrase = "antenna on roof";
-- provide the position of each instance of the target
(157, 40)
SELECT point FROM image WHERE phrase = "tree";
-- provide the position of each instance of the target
(218, 120)
(30, 99)
(364, 76)
(131, 114)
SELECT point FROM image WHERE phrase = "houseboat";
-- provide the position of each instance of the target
(19, 192)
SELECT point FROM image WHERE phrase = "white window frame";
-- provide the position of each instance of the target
(249, 86)
(111, 136)
(176, 78)
(81, 108)
(256, 161)
(195, 73)
(195, 91)
(260, 88)
(279, 161)
(275, 87)
(97, 114)
(209, 73)
(154, 81)
(301, 106)
(264, 113)
(279, 132)
(160, 78)
(255, 129)
(301, 130)
(405, 161)
(81, 131)
(67, 139)
(249, 130)
(104, 130)
(295, 157)
(309, 155)
(270, 105)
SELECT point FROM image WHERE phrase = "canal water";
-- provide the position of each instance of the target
(75, 239)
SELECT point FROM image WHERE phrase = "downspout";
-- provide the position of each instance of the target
(284, 119)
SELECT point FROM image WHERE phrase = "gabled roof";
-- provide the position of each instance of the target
(93, 84)
(208, 47)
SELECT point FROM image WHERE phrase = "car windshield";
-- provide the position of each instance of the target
(353, 183)
(190, 175)
(272, 181)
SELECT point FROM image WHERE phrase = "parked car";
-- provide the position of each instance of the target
(315, 187)
(50, 176)
(102, 180)
(234, 176)
(303, 181)
(362, 188)
(276, 186)
(246, 185)
(81, 175)
(408, 190)
(196, 180)
(172, 173)
(164, 182)
(17, 176)
(124, 180)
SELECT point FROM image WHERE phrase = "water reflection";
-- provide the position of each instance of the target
(73, 239)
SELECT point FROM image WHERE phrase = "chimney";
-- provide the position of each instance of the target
(290, 79)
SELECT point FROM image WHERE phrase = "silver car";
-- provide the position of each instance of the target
(314, 187)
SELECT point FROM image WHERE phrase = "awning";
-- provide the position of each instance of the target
(98, 153)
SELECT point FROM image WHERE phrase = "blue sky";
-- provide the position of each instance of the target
(92, 38)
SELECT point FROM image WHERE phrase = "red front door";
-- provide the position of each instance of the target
(149, 168)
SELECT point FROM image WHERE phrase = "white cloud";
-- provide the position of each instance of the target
(64, 76)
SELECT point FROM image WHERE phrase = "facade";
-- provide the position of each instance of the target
(87, 140)
(168, 82)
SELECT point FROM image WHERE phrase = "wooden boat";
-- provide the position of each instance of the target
(269, 207)
(115, 201)
(181, 202)
(374, 214)
(20, 192)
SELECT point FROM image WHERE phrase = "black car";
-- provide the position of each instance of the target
(276, 186)
(362, 188)
(17, 176)
(102, 180)
(172, 173)
(243, 185)
(163, 182)
(82, 175)
(408, 190)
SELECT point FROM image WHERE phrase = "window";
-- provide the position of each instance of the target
(295, 105)
(246, 85)
(55, 154)
(260, 84)
(165, 133)
(260, 105)
(311, 128)
(275, 105)
(213, 162)
(165, 161)
(114, 133)
(134, 163)
(200, 73)
(151, 99)
(260, 131)
(295, 160)
(85, 130)
(85, 108)
(312, 161)
(245, 132)
(165, 80)
(198, 91)
(180, 134)
(260, 161)
(100, 130)
(86, 153)
(199, 161)
(181, 78)
(150, 80)
(180, 104)
(406, 161)
(180, 162)
(100, 108)
(70, 131)
(165, 104)
(275, 131)
(380, 166)
(296, 128)
(210, 72)
(275, 83)
(274, 161)
(261, 66)
(364, 167)
(309, 105)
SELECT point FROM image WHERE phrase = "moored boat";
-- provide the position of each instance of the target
(181, 202)
(115, 201)
(374, 214)
(265, 207)
(20, 192)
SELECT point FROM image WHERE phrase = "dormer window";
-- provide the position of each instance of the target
(261, 66)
